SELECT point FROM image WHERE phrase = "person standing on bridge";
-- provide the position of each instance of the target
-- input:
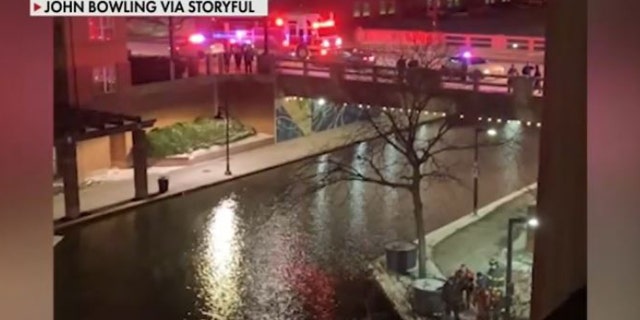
(237, 58)
(248, 59)
(537, 82)
(526, 70)
(226, 57)
(401, 68)
(511, 75)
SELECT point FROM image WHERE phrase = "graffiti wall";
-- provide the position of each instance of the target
(299, 117)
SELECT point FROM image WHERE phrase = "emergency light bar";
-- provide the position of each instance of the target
(324, 24)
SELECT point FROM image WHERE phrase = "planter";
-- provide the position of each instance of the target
(426, 298)
(401, 256)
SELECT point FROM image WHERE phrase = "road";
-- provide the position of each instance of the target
(248, 249)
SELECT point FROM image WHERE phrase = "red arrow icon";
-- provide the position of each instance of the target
(36, 7)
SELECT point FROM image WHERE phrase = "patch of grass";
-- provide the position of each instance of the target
(185, 137)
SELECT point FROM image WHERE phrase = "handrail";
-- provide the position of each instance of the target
(384, 74)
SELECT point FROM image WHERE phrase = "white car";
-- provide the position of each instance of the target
(461, 66)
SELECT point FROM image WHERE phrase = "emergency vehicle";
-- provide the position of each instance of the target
(301, 35)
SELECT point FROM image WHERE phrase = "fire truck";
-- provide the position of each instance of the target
(301, 35)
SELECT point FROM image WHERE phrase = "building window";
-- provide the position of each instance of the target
(104, 79)
(366, 9)
(101, 28)
(361, 9)
(387, 7)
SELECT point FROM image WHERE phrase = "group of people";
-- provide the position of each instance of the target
(240, 54)
(528, 70)
(402, 64)
(482, 292)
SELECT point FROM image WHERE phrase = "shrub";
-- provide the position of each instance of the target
(184, 137)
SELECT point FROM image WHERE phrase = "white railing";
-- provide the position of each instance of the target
(389, 75)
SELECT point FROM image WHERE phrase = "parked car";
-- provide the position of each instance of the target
(461, 66)
(351, 57)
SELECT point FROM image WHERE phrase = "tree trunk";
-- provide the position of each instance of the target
(420, 232)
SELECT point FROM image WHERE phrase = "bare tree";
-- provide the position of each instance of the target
(417, 134)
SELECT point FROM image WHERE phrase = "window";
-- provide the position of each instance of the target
(104, 79)
(391, 7)
(366, 9)
(387, 7)
(101, 28)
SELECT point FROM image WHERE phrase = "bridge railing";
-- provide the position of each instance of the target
(474, 81)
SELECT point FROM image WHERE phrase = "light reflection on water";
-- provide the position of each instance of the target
(219, 263)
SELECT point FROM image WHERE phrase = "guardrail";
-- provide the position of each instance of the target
(383, 74)
(385, 37)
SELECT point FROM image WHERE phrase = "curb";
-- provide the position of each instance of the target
(444, 232)
(60, 225)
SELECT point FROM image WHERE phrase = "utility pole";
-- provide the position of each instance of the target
(172, 50)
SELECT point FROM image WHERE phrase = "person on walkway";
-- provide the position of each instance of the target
(401, 68)
(468, 288)
(512, 73)
(237, 58)
(482, 282)
(452, 297)
(537, 82)
(226, 58)
(496, 304)
(248, 59)
(481, 301)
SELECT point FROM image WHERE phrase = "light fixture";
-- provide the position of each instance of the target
(321, 102)
(533, 222)
(492, 132)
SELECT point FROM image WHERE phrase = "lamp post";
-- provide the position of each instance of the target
(227, 172)
(476, 169)
(531, 222)
(172, 50)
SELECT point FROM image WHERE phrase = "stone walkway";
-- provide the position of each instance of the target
(471, 240)
(108, 197)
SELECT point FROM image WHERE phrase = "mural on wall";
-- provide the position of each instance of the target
(300, 117)
(293, 119)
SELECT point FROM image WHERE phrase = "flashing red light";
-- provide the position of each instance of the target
(197, 38)
(279, 22)
(324, 24)
(338, 42)
(325, 43)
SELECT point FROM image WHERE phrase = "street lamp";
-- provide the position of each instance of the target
(531, 222)
(490, 132)
(226, 133)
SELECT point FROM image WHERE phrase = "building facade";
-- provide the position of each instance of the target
(91, 60)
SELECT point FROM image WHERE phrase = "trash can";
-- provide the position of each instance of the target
(401, 256)
(163, 184)
(426, 298)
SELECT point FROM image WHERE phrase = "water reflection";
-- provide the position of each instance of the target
(219, 264)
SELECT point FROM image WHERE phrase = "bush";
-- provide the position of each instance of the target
(184, 137)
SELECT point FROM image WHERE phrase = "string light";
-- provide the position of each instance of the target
(461, 116)
(499, 120)
(479, 118)
(538, 124)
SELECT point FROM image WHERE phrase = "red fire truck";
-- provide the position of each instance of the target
(301, 35)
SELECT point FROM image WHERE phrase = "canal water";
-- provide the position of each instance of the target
(253, 249)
